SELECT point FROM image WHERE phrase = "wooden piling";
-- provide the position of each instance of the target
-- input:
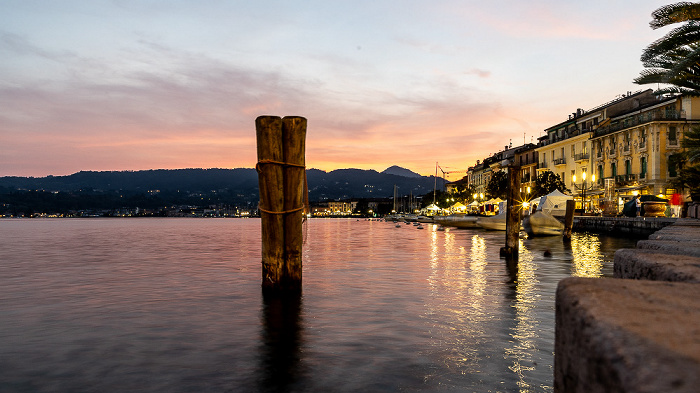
(294, 138)
(513, 216)
(281, 151)
(569, 219)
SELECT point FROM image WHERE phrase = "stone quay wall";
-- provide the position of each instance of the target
(639, 331)
(634, 226)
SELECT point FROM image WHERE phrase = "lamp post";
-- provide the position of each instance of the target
(583, 188)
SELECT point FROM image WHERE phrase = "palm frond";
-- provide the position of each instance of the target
(674, 13)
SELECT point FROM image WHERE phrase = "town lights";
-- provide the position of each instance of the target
(583, 187)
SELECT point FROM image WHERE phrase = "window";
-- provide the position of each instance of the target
(600, 173)
(643, 166)
(573, 150)
(563, 177)
(613, 169)
(628, 167)
(672, 134)
(584, 147)
(673, 165)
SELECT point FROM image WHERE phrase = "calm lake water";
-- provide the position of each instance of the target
(175, 305)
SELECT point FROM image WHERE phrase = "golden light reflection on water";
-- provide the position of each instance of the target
(457, 281)
(586, 255)
(524, 335)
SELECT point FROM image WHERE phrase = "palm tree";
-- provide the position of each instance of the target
(675, 58)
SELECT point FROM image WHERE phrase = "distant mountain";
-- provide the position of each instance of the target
(398, 171)
(235, 185)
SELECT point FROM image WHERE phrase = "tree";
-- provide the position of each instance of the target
(498, 185)
(675, 58)
(463, 192)
(689, 162)
(546, 182)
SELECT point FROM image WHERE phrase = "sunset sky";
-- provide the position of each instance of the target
(140, 84)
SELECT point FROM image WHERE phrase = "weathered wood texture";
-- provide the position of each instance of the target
(281, 161)
(569, 219)
(513, 216)
(294, 137)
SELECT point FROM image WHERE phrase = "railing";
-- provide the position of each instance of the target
(559, 161)
(642, 118)
(628, 178)
(581, 156)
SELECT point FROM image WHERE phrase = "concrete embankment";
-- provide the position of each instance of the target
(639, 331)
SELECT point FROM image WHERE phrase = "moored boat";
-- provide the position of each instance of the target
(493, 223)
(457, 221)
(541, 223)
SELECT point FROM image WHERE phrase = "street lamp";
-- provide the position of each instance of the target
(583, 188)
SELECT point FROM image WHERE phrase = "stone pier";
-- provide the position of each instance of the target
(639, 331)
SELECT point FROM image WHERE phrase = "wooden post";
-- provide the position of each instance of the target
(569, 219)
(281, 170)
(513, 216)
(268, 131)
(294, 139)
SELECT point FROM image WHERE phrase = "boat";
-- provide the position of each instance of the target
(548, 219)
(497, 222)
(424, 219)
(493, 223)
(541, 223)
(457, 221)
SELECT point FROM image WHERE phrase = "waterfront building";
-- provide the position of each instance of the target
(526, 157)
(566, 148)
(621, 148)
(635, 149)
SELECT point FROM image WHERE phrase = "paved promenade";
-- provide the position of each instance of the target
(639, 331)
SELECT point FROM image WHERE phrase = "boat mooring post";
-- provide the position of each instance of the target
(513, 216)
(569, 219)
(281, 173)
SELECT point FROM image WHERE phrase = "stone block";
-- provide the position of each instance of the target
(675, 247)
(615, 335)
(640, 264)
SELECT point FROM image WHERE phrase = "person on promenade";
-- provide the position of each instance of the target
(639, 205)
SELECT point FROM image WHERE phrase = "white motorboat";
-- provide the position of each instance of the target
(493, 223)
(541, 223)
(457, 221)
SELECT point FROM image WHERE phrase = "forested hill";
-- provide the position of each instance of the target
(243, 182)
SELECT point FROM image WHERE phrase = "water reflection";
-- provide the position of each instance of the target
(586, 255)
(282, 336)
(524, 333)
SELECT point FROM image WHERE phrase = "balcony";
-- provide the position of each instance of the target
(626, 179)
(626, 149)
(612, 153)
(672, 142)
(636, 120)
(559, 161)
(543, 164)
(643, 145)
(581, 157)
